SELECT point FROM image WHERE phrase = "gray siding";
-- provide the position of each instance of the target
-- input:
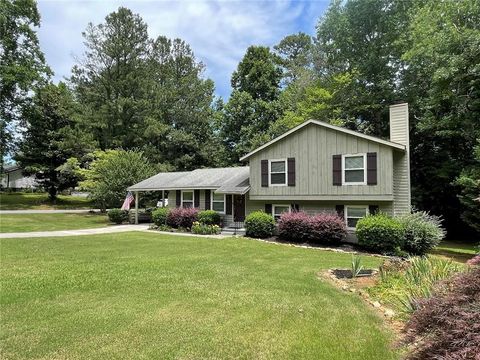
(399, 133)
(313, 147)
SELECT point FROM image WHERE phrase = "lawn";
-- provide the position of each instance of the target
(49, 222)
(459, 251)
(40, 201)
(141, 295)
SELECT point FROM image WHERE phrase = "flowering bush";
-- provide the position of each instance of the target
(322, 228)
(204, 229)
(209, 217)
(295, 226)
(259, 224)
(446, 325)
(182, 217)
(327, 229)
(475, 261)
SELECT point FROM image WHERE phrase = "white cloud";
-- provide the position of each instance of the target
(219, 32)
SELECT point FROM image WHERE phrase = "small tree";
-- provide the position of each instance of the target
(111, 172)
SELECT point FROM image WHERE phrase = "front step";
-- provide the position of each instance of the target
(233, 231)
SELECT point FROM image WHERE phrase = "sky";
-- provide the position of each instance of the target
(219, 32)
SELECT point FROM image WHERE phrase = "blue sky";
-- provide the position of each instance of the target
(219, 32)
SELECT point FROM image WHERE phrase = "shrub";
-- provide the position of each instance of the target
(209, 217)
(475, 261)
(447, 324)
(182, 217)
(205, 229)
(117, 216)
(160, 215)
(295, 226)
(422, 232)
(403, 282)
(380, 233)
(259, 225)
(327, 229)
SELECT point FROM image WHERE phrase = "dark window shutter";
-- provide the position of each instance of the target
(268, 208)
(373, 209)
(337, 170)
(295, 207)
(196, 198)
(340, 209)
(207, 199)
(228, 210)
(178, 198)
(291, 171)
(372, 168)
(264, 168)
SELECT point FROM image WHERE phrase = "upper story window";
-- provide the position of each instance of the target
(353, 214)
(187, 198)
(278, 172)
(354, 169)
(218, 202)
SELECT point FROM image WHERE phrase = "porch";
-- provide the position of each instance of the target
(223, 190)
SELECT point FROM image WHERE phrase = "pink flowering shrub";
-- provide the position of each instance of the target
(182, 217)
(475, 261)
(323, 228)
(327, 229)
(294, 226)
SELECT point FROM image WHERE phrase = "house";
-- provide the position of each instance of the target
(314, 167)
(12, 178)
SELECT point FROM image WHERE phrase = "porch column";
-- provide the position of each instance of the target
(163, 198)
(136, 207)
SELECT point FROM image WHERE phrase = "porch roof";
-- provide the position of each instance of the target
(231, 180)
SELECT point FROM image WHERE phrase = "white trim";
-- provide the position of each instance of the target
(284, 205)
(224, 202)
(328, 126)
(345, 215)
(270, 172)
(364, 182)
(193, 197)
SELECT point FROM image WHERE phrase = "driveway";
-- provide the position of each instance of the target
(105, 230)
(58, 211)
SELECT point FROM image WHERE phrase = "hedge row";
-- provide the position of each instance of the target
(185, 217)
(324, 228)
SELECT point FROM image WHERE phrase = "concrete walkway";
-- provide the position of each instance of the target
(58, 211)
(105, 230)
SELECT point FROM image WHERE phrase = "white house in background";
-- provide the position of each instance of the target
(12, 178)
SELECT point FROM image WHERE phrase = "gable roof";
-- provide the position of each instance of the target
(328, 126)
(231, 180)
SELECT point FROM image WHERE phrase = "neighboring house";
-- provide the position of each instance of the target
(12, 178)
(315, 167)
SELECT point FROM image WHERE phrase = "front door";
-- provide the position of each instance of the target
(238, 208)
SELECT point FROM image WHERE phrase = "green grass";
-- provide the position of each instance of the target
(458, 251)
(40, 201)
(141, 295)
(50, 222)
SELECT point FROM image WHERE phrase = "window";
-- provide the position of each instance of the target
(353, 214)
(218, 202)
(187, 198)
(278, 172)
(354, 169)
(279, 209)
